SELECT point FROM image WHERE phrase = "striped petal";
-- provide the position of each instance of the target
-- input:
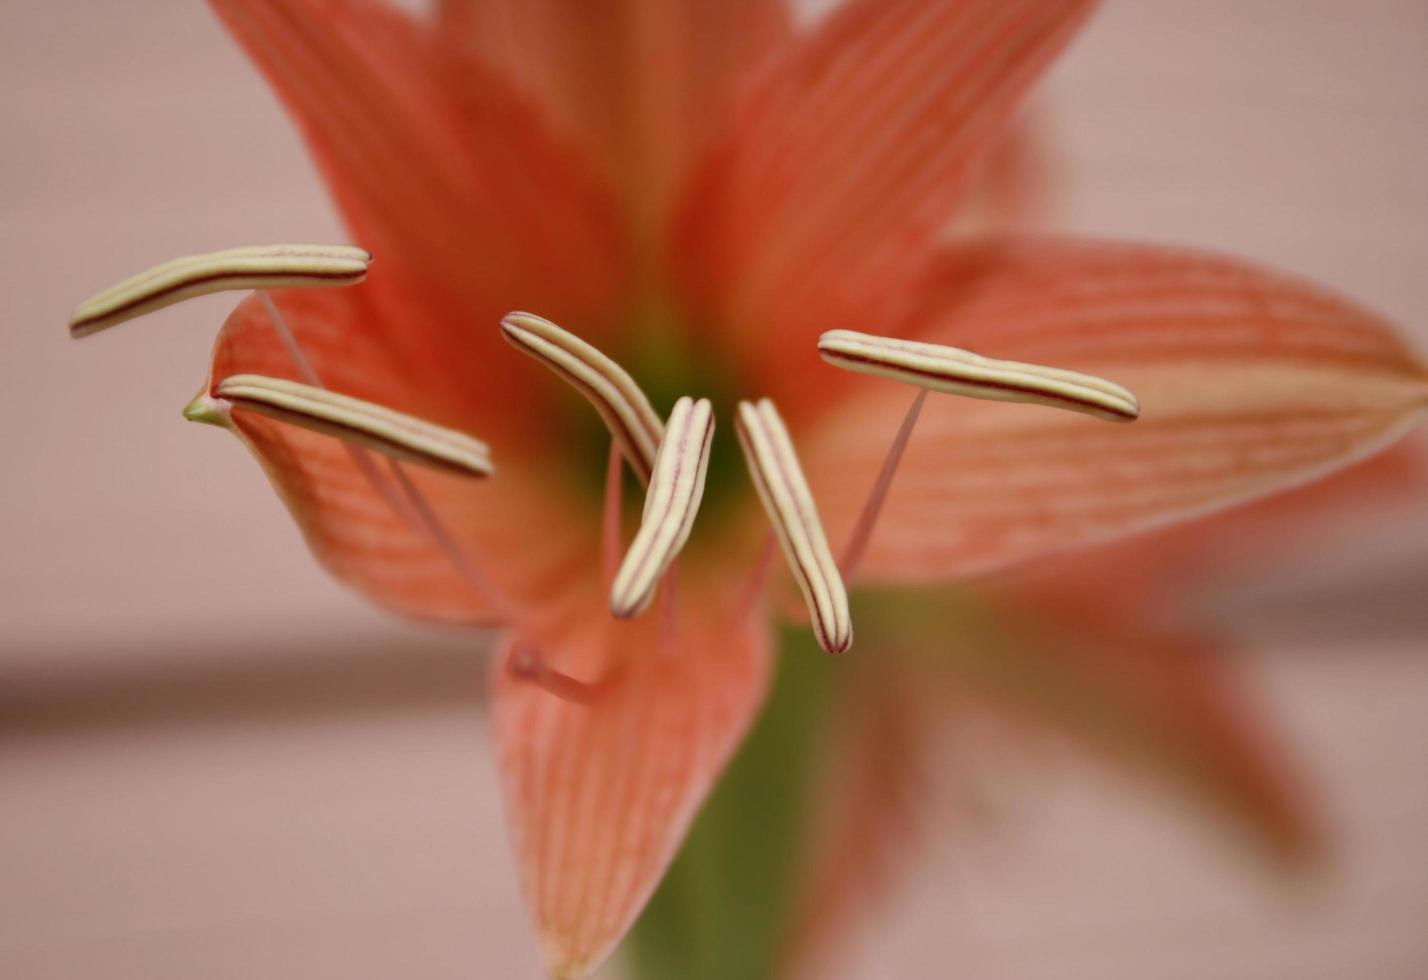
(847, 158)
(445, 174)
(484, 564)
(1250, 383)
(599, 794)
(639, 83)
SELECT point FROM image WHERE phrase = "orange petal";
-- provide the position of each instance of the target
(442, 172)
(600, 794)
(846, 159)
(1249, 383)
(638, 82)
(350, 524)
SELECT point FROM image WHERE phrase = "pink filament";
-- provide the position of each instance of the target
(411, 504)
(868, 519)
(527, 664)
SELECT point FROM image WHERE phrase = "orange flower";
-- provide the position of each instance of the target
(700, 190)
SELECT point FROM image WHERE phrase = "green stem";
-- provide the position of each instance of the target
(724, 907)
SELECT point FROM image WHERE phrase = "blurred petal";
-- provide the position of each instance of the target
(1151, 572)
(1160, 706)
(847, 157)
(348, 523)
(1249, 383)
(600, 795)
(639, 82)
(442, 172)
(1019, 190)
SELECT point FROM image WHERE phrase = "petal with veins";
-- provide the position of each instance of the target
(349, 524)
(1249, 382)
(638, 84)
(443, 171)
(670, 505)
(844, 161)
(600, 795)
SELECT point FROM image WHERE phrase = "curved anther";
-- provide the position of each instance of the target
(960, 372)
(360, 422)
(676, 488)
(608, 387)
(250, 267)
(783, 489)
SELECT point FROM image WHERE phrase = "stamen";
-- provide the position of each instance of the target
(758, 578)
(615, 395)
(676, 487)
(527, 664)
(781, 485)
(868, 519)
(410, 504)
(422, 514)
(353, 420)
(960, 372)
(253, 267)
(288, 340)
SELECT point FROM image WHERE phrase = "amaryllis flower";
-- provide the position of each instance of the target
(724, 219)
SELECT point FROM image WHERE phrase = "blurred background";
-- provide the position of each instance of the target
(215, 762)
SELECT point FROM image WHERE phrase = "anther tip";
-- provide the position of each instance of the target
(208, 410)
(518, 321)
(627, 607)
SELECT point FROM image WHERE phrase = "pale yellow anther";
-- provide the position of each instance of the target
(353, 420)
(251, 267)
(632, 422)
(960, 372)
(676, 487)
(783, 489)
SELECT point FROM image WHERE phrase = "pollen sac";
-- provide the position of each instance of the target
(783, 489)
(353, 420)
(675, 489)
(252, 267)
(632, 422)
(960, 372)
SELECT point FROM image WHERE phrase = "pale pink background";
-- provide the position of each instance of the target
(215, 763)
